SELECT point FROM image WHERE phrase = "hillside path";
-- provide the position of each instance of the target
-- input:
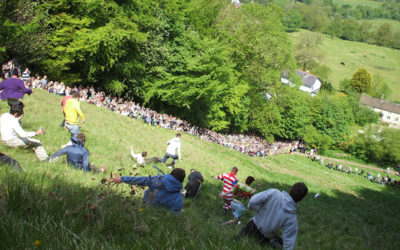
(346, 162)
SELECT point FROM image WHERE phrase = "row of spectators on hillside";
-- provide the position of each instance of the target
(384, 179)
(247, 144)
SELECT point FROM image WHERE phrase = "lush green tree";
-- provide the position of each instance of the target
(349, 30)
(306, 52)
(332, 116)
(361, 81)
(294, 107)
(382, 148)
(292, 19)
(384, 35)
(315, 139)
(379, 87)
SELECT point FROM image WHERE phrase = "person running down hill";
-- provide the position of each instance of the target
(73, 111)
(174, 146)
(242, 192)
(77, 155)
(230, 181)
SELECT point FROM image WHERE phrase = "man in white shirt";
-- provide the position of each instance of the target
(174, 145)
(13, 135)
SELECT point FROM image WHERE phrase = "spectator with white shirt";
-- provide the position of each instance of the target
(13, 135)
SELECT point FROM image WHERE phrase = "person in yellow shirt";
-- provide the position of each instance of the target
(72, 113)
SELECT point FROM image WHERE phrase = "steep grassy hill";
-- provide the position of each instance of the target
(58, 207)
(378, 60)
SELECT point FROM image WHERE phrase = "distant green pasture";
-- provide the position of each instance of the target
(378, 60)
(354, 3)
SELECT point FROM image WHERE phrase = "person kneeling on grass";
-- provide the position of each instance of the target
(241, 192)
(164, 190)
(77, 155)
(13, 135)
(194, 184)
(141, 158)
(275, 210)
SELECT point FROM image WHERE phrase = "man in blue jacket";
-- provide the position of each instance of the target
(164, 190)
(275, 209)
(77, 155)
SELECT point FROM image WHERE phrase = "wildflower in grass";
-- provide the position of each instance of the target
(140, 209)
(37, 243)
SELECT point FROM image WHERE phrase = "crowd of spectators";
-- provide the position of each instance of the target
(245, 143)
(384, 179)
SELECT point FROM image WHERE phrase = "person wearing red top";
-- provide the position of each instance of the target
(230, 181)
(242, 193)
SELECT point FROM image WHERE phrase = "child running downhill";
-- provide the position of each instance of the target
(230, 181)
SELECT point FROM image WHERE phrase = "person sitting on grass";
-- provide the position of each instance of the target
(141, 158)
(8, 161)
(242, 192)
(275, 210)
(194, 184)
(164, 190)
(77, 155)
(13, 135)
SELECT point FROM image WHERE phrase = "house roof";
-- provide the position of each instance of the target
(380, 104)
(308, 79)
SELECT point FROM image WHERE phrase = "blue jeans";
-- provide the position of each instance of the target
(166, 156)
(73, 129)
(237, 209)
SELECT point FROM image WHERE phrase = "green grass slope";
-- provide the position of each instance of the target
(63, 208)
(378, 60)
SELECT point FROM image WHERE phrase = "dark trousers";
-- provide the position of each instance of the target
(166, 156)
(192, 189)
(251, 230)
(151, 160)
(7, 160)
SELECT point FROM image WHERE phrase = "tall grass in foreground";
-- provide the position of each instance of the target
(55, 206)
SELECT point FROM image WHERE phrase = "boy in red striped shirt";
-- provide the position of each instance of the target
(230, 181)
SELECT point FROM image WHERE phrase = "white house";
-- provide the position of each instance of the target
(311, 83)
(389, 111)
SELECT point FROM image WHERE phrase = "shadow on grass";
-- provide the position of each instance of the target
(60, 214)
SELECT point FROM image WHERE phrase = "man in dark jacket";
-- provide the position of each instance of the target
(77, 155)
(193, 186)
(164, 190)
